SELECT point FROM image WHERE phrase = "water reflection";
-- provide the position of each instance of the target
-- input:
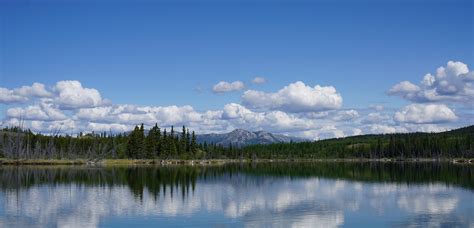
(277, 195)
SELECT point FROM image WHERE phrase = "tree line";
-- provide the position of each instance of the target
(157, 144)
(18, 143)
(154, 143)
(451, 144)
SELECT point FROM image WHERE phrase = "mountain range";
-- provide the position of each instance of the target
(240, 137)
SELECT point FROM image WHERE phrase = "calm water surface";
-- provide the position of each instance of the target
(258, 195)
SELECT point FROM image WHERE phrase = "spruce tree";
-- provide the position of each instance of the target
(182, 142)
(173, 149)
(193, 144)
(133, 144)
(141, 142)
(159, 141)
(151, 142)
(188, 143)
(165, 145)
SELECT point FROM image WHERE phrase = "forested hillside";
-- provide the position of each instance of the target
(16, 143)
(455, 143)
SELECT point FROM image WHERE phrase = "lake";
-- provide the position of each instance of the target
(321, 194)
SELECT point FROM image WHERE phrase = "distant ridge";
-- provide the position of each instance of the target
(240, 137)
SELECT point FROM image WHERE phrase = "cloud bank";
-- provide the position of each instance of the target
(297, 109)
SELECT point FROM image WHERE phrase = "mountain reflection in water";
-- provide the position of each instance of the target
(277, 194)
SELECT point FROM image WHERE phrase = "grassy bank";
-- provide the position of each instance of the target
(207, 162)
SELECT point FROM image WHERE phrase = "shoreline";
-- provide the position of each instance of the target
(107, 162)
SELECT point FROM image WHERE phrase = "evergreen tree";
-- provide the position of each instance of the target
(141, 142)
(188, 143)
(193, 145)
(182, 141)
(133, 143)
(159, 141)
(165, 145)
(152, 142)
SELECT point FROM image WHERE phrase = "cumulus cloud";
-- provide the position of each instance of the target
(96, 114)
(35, 90)
(453, 82)
(346, 115)
(278, 121)
(8, 96)
(259, 80)
(376, 117)
(223, 86)
(357, 131)
(384, 129)
(377, 107)
(71, 95)
(329, 131)
(296, 97)
(101, 127)
(56, 126)
(425, 113)
(233, 111)
(23, 93)
(43, 111)
(131, 115)
(425, 128)
(404, 87)
(296, 109)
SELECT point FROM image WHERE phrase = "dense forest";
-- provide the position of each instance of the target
(457, 143)
(17, 143)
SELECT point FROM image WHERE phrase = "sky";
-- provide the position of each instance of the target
(315, 69)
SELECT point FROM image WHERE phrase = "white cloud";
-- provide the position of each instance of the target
(384, 129)
(453, 83)
(66, 126)
(278, 121)
(8, 96)
(328, 131)
(296, 97)
(259, 80)
(282, 121)
(357, 131)
(233, 111)
(425, 128)
(62, 126)
(223, 87)
(149, 115)
(101, 127)
(317, 115)
(297, 110)
(377, 107)
(35, 90)
(43, 111)
(23, 93)
(404, 87)
(425, 113)
(71, 95)
(94, 114)
(376, 117)
(346, 115)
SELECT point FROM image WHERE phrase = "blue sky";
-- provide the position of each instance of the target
(160, 53)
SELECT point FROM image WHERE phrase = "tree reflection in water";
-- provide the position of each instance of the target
(262, 194)
(158, 179)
